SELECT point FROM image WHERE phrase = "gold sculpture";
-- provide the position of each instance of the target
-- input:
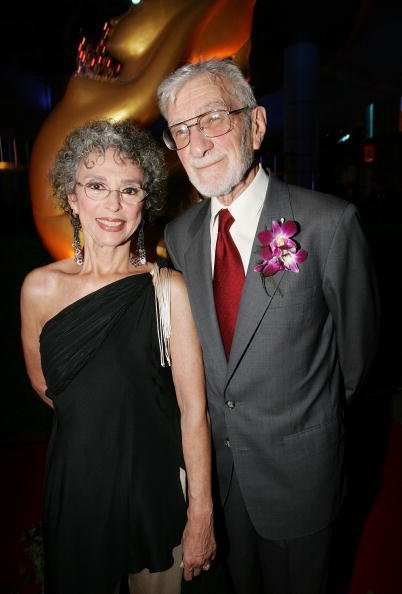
(150, 40)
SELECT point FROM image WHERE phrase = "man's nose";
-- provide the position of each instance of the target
(199, 143)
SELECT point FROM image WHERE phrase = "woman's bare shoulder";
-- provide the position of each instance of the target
(177, 284)
(177, 277)
(44, 280)
(178, 287)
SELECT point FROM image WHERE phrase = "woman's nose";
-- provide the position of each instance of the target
(113, 200)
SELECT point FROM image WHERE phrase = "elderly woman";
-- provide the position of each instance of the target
(96, 331)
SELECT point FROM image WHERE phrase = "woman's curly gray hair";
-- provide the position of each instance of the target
(128, 141)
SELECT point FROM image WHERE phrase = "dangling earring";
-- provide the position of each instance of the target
(140, 257)
(78, 252)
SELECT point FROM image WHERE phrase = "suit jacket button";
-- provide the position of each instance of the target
(230, 403)
(227, 443)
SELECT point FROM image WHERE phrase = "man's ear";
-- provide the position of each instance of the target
(259, 126)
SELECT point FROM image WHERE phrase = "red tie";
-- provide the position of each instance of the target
(228, 279)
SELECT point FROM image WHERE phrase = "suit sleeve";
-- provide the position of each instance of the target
(351, 292)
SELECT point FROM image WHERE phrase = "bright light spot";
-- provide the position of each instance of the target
(344, 138)
(135, 1)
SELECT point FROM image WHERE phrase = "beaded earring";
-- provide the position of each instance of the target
(140, 257)
(78, 251)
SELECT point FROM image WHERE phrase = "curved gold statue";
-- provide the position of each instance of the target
(150, 40)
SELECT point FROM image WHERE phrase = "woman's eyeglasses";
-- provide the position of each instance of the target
(98, 191)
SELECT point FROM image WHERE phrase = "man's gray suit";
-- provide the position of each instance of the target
(302, 345)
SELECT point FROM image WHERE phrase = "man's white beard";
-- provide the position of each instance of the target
(224, 185)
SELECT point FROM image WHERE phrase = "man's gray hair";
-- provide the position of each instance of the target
(225, 71)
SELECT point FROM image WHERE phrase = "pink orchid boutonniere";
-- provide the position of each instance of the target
(278, 250)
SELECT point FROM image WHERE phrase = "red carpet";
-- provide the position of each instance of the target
(378, 565)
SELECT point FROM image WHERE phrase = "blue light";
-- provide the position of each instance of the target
(370, 120)
(135, 1)
(344, 138)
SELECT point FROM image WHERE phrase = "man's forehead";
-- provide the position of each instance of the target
(197, 96)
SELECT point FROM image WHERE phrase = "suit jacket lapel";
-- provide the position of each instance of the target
(199, 281)
(255, 299)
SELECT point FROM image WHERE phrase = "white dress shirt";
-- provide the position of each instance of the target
(246, 211)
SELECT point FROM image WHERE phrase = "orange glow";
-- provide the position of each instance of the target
(150, 40)
(8, 165)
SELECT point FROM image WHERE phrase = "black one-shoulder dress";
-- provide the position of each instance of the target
(113, 502)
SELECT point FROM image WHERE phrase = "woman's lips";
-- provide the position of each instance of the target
(113, 225)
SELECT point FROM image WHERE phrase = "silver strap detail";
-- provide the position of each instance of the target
(162, 280)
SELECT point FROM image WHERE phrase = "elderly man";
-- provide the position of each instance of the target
(282, 290)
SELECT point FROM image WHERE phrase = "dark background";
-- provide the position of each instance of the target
(360, 63)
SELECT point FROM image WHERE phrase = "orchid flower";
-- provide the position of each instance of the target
(278, 250)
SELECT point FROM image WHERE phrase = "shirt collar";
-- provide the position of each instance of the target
(252, 198)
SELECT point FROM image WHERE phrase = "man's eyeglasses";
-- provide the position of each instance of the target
(216, 122)
(98, 191)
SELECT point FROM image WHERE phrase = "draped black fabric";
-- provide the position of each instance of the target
(113, 502)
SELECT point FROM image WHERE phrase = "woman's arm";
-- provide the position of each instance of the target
(31, 301)
(199, 545)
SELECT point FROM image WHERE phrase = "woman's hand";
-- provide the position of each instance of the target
(199, 546)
